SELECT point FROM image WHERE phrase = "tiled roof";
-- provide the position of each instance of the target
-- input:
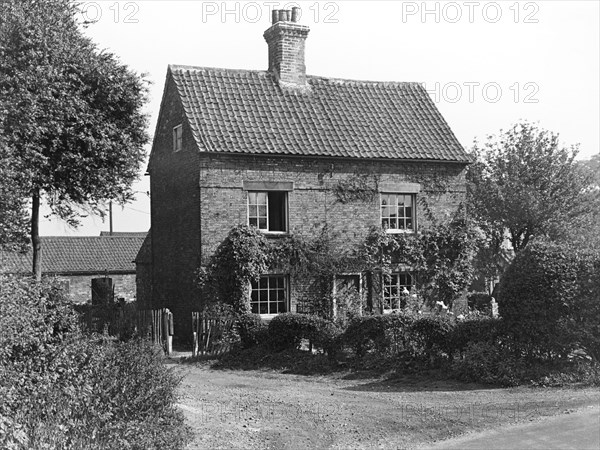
(71, 254)
(124, 233)
(144, 255)
(245, 111)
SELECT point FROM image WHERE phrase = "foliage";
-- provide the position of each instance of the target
(252, 330)
(484, 362)
(72, 115)
(475, 328)
(240, 259)
(526, 183)
(441, 257)
(433, 335)
(548, 298)
(13, 220)
(386, 334)
(286, 331)
(61, 388)
(357, 188)
(480, 301)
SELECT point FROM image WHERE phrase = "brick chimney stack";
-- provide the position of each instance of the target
(286, 40)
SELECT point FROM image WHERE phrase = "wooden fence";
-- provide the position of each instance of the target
(125, 321)
(156, 325)
(210, 334)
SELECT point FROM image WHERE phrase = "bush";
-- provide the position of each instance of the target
(484, 362)
(286, 331)
(432, 334)
(383, 333)
(474, 328)
(63, 388)
(548, 298)
(252, 330)
(480, 301)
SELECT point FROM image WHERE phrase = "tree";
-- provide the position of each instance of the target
(526, 183)
(13, 220)
(72, 113)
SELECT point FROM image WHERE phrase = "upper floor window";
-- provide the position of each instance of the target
(398, 212)
(267, 211)
(177, 138)
(396, 287)
(269, 295)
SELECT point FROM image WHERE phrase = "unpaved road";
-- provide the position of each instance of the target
(256, 410)
(576, 431)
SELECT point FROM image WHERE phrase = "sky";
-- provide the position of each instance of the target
(486, 65)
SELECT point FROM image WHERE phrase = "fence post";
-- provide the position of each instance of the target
(167, 324)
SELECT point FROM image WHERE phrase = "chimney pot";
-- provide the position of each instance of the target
(274, 16)
(295, 11)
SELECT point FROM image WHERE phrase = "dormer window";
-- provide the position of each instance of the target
(177, 138)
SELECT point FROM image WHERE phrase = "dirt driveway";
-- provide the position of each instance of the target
(256, 409)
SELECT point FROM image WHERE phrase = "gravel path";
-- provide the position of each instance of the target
(255, 409)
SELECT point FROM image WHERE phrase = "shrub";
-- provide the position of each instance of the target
(484, 362)
(383, 333)
(286, 331)
(252, 330)
(61, 388)
(548, 298)
(480, 301)
(475, 328)
(432, 334)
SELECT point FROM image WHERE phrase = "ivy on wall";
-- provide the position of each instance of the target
(357, 188)
(440, 257)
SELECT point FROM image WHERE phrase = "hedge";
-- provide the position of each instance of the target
(548, 299)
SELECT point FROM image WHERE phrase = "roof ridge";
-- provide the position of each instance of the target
(315, 77)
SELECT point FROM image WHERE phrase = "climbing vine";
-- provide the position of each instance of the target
(357, 187)
(440, 257)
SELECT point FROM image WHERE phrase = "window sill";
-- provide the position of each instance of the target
(266, 318)
(275, 234)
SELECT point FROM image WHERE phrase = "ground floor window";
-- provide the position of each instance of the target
(269, 295)
(395, 288)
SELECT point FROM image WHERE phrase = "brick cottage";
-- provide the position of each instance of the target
(76, 260)
(268, 148)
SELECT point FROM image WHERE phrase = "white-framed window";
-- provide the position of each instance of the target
(269, 295)
(177, 138)
(398, 213)
(395, 288)
(267, 211)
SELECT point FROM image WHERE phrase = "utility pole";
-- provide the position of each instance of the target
(110, 218)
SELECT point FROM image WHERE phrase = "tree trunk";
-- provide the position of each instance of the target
(35, 236)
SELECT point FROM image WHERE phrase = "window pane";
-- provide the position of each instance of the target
(263, 308)
(252, 198)
(261, 198)
(277, 211)
(262, 223)
(262, 211)
(254, 308)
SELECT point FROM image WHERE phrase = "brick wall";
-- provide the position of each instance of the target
(80, 286)
(175, 213)
(313, 204)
